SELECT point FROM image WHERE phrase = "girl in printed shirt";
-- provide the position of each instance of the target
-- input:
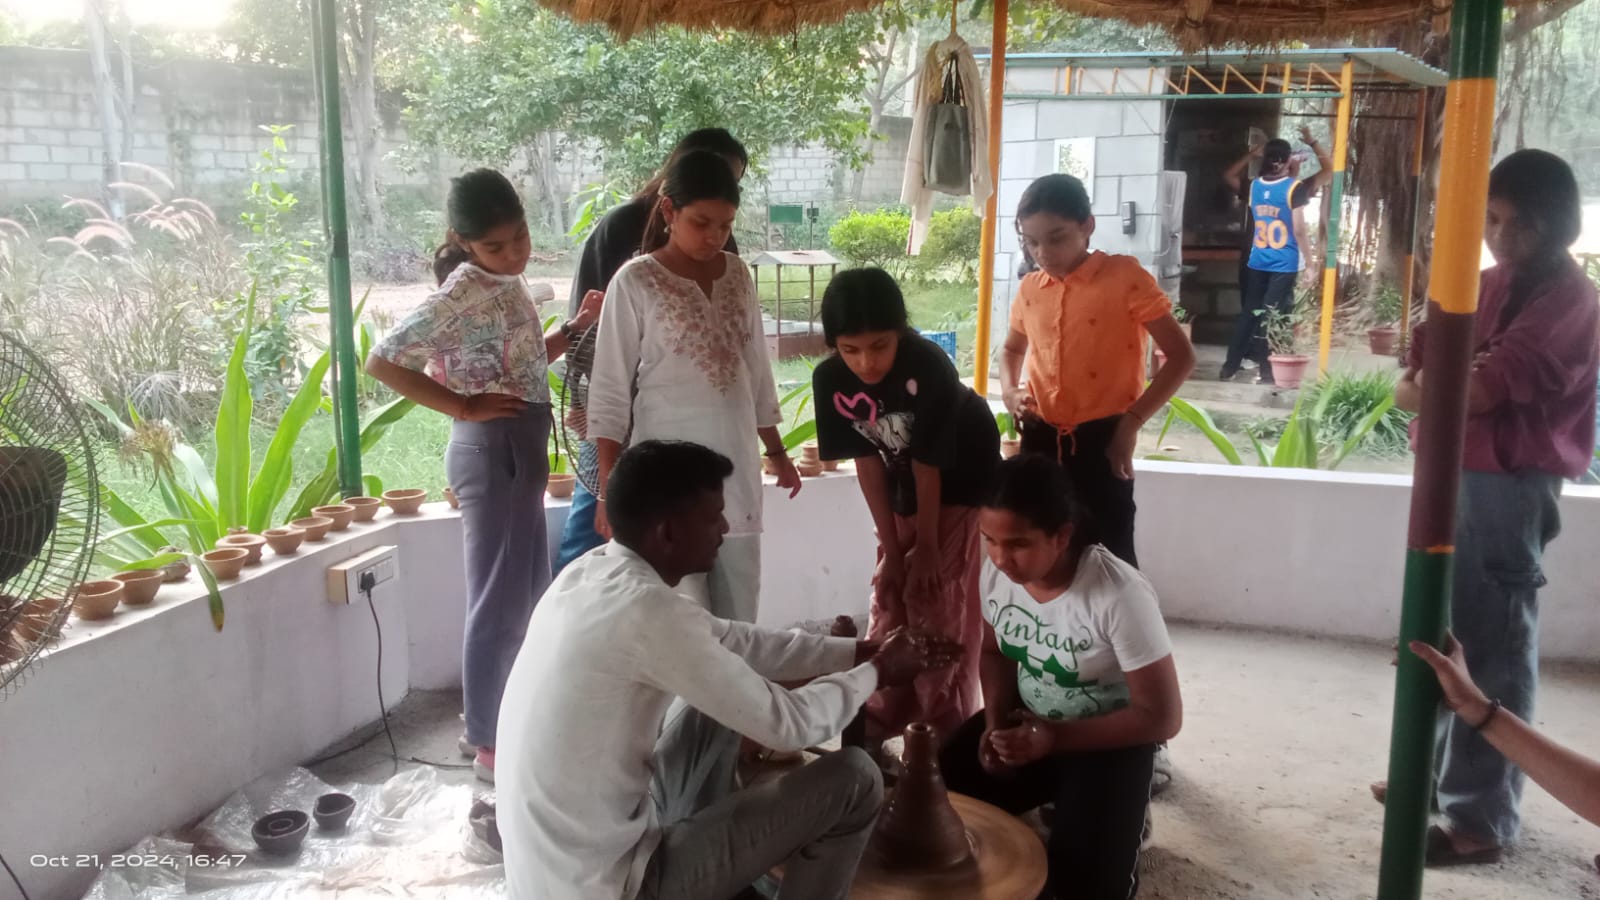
(682, 355)
(473, 351)
(1078, 680)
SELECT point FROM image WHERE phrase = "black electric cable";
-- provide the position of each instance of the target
(367, 583)
(14, 879)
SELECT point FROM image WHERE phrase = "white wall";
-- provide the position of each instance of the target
(150, 720)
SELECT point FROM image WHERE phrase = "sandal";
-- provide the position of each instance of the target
(1439, 852)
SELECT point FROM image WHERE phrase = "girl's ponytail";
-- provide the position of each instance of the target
(447, 258)
(480, 200)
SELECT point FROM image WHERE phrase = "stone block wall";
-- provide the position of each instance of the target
(811, 174)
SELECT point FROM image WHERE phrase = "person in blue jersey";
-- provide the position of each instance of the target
(1276, 248)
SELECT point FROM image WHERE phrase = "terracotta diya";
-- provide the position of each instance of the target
(934, 845)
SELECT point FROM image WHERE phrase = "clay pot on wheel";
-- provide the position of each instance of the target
(284, 541)
(315, 527)
(139, 587)
(341, 514)
(560, 485)
(366, 507)
(252, 544)
(281, 833)
(405, 502)
(918, 827)
(333, 811)
(95, 600)
(226, 563)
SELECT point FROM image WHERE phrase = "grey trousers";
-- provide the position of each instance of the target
(499, 470)
(815, 821)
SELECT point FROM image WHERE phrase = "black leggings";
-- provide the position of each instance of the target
(1107, 499)
(1100, 801)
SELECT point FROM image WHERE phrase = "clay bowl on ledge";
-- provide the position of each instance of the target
(36, 621)
(315, 527)
(94, 600)
(333, 811)
(341, 515)
(139, 587)
(251, 543)
(281, 833)
(560, 485)
(226, 563)
(405, 502)
(366, 507)
(284, 541)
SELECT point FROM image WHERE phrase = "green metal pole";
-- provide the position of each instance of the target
(347, 426)
(1430, 548)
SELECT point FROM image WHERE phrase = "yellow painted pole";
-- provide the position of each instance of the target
(991, 216)
(1330, 267)
(1408, 280)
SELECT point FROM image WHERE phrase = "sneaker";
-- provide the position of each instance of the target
(1227, 373)
(1161, 771)
(467, 748)
(1248, 365)
(483, 765)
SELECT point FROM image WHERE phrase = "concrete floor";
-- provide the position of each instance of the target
(1281, 736)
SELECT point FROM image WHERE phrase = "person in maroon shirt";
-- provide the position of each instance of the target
(1530, 426)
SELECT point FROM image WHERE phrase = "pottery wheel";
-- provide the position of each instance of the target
(1009, 863)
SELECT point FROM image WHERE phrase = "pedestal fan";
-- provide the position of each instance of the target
(571, 399)
(49, 509)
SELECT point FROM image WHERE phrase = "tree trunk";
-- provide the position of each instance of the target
(360, 87)
(106, 100)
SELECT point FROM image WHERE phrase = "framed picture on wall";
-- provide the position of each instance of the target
(1075, 156)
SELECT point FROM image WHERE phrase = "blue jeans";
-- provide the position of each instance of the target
(1503, 524)
(578, 536)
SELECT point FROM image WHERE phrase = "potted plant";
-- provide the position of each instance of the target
(1387, 307)
(1284, 350)
(1010, 440)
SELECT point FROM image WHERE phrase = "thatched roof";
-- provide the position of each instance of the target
(629, 17)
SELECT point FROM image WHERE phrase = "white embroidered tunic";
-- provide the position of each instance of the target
(699, 368)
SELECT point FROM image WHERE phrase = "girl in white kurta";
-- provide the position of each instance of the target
(682, 355)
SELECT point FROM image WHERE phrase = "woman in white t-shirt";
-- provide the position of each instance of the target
(1078, 680)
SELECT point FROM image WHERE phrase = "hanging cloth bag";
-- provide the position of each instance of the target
(947, 143)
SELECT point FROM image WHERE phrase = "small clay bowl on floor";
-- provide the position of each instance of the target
(333, 811)
(94, 600)
(226, 563)
(366, 507)
(451, 498)
(560, 485)
(251, 543)
(139, 587)
(281, 833)
(315, 527)
(341, 515)
(405, 502)
(284, 541)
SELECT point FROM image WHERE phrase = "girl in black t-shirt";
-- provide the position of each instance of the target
(926, 448)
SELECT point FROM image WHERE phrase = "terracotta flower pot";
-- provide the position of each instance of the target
(285, 541)
(405, 502)
(1384, 341)
(808, 469)
(451, 498)
(37, 621)
(94, 600)
(253, 543)
(809, 452)
(341, 514)
(830, 465)
(225, 564)
(332, 811)
(139, 587)
(366, 507)
(315, 527)
(1289, 371)
(561, 484)
(1010, 447)
(281, 833)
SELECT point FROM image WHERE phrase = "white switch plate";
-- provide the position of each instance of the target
(344, 579)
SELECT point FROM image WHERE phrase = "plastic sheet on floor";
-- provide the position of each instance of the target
(409, 837)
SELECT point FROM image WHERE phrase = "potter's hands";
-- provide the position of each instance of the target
(485, 407)
(1029, 740)
(1123, 443)
(1463, 697)
(588, 311)
(905, 654)
(788, 475)
(602, 525)
(890, 578)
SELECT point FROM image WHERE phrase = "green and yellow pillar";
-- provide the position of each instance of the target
(991, 210)
(1330, 265)
(1430, 551)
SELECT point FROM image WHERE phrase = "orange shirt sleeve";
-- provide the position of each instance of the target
(1146, 300)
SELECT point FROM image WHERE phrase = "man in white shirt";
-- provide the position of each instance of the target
(595, 801)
